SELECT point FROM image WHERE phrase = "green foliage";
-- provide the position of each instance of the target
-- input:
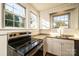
(8, 16)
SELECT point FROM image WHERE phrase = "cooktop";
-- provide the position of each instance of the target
(24, 49)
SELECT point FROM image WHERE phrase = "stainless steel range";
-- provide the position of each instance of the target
(21, 44)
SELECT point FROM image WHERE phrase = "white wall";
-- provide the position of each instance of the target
(74, 17)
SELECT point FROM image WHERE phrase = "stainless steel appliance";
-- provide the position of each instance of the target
(21, 44)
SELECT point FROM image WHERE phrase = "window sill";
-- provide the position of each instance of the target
(12, 28)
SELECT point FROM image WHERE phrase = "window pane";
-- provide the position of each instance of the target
(33, 21)
(10, 4)
(22, 11)
(9, 8)
(16, 24)
(19, 10)
(58, 19)
(16, 9)
(16, 18)
(8, 16)
(66, 23)
(21, 19)
(66, 19)
(61, 20)
(22, 24)
(8, 23)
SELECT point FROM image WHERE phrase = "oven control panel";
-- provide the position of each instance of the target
(18, 34)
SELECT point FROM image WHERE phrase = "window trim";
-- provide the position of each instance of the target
(3, 17)
(56, 14)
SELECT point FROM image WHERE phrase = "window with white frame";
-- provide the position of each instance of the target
(33, 22)
(60, 20)
(14, 15)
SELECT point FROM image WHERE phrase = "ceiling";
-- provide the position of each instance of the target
(44, 6)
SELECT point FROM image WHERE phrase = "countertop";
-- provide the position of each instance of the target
(48, 36)
(39, 36)
(67, 38)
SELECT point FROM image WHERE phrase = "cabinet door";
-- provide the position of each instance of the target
(54, 46)
(3, 45)
(49, 43)
(67, 48)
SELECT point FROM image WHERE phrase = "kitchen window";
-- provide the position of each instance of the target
(14, 15)
(61, 20)
(33, 22)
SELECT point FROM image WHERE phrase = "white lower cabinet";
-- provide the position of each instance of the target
(49, 45)
(60, 47)
(67, 47)
(3, 45)
(54, 46)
